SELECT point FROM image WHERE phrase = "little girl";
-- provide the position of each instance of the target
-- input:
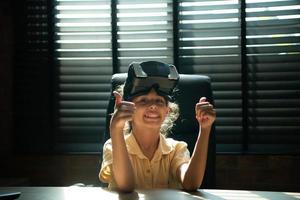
(138, 155)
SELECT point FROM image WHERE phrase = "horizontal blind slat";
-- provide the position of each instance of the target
(84, 63)
(273, 56)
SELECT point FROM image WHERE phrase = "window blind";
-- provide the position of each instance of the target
(209, 43)
(145, 31)
(84, 69)
(84, 60)
(96, 38)
(273, 54)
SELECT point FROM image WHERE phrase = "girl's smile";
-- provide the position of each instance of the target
(150, 109)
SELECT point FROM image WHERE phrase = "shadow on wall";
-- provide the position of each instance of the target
(51, 170)
(245, 172)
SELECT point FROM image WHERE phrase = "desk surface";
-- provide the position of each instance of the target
(92, 193)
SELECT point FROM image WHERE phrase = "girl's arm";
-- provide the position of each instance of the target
(191, 174)
(122, 168)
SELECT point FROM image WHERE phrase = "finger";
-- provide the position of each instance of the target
(123, 110)
(201, 107)
(119, 119)
(208, 114)
(205, 114)
(124, 115)
(202, 99)
(204, 106)
(118, 98)
(126, 107)
(126, 118)
(200, 104)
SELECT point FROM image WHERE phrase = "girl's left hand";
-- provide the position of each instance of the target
(205, 113)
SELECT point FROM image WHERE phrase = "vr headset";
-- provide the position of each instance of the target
(144, 76)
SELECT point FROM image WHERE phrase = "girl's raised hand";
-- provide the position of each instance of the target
(205, 113)
(123, 113)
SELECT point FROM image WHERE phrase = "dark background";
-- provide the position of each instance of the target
(25, 117)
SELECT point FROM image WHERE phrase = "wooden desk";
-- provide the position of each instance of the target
(97, 193)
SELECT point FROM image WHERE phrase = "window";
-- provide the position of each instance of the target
(273, 58)
(250, 49)
(83, 53)
(88, 51)
(209, 43)
(144, 31)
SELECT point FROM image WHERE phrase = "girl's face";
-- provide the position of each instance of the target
(151, 110)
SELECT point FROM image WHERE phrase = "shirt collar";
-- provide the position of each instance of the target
(133, 148)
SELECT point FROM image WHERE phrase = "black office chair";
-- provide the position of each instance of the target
(191, 88)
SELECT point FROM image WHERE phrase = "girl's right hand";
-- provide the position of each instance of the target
(123, 112)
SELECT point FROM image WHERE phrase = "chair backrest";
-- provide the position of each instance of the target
(191, 88)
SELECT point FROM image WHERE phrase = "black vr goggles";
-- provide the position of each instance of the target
(144, 76)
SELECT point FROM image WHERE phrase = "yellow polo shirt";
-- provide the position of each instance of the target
(160, 172)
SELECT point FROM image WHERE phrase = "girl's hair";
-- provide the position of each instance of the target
(168, 122)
